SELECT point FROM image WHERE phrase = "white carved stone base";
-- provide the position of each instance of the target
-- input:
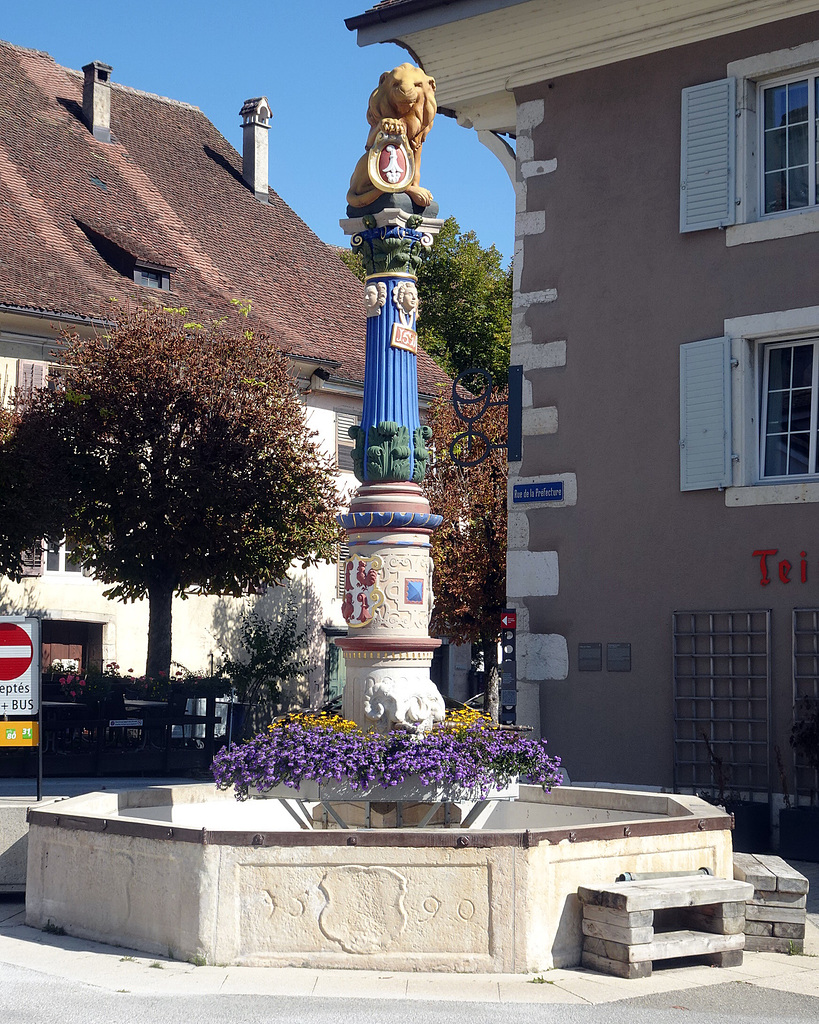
(387, 693)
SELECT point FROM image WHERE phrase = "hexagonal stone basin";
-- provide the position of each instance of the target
(190, 871)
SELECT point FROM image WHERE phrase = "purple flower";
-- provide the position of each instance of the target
(322, 749)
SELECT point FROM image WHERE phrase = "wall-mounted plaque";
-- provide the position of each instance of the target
(590, 657)
(618, 657)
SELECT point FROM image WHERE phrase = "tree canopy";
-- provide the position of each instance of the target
(177, 459)
(466, 304)
(469, 548)
(465, 297)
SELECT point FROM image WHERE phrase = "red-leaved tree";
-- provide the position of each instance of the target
(469, 548)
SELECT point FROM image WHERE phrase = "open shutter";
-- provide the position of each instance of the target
(32, 561)
(708, 156)
(705, 414)
(31, 374)
(344, 443)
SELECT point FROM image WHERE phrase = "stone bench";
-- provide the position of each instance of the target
(628, 925)
(775, 914)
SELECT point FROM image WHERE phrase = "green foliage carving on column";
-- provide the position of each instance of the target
(420, 437)
(388, 452)
(390, 250)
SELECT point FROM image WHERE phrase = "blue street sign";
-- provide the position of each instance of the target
(538, 492)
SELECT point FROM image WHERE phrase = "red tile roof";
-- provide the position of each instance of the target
(168, 190)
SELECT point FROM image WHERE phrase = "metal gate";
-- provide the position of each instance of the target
(722, 697)
(805, 685)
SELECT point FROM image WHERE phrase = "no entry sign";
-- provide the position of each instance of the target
(19, 666)
(16, 651)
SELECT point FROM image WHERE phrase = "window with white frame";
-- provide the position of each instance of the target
(790, 373)
(749, 148)
(749, 409)
(788, 115)
(58, 559)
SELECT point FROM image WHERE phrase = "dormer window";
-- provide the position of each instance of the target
(149, 275)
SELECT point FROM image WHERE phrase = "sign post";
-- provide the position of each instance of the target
(21, 687)
(509, 666)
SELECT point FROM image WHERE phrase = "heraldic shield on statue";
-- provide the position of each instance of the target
(391, 165)
(361, 596)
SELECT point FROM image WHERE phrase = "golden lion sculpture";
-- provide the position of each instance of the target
(402, 105)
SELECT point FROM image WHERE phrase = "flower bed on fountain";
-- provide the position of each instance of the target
(466, 753)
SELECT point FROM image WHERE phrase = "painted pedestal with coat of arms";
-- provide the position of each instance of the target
(388, 577)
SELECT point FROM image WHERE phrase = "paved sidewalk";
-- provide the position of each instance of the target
(114, 969)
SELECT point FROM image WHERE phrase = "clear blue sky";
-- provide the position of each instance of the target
(301, 56)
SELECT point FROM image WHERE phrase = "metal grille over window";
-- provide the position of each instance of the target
(805, 688)
(344, 443)
(722, 692)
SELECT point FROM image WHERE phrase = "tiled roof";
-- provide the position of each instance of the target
(168, 190)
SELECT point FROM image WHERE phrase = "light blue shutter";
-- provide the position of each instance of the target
(705, 414)
(707, 160)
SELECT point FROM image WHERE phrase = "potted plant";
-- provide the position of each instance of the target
(752, 818)
(799, 826)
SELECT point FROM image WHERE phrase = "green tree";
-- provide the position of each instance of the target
(178, 460)
(469, 547)
(273, 654)
(465, 295)
(466, 304)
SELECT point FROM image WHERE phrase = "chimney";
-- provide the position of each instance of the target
(96, 99)
(255, 114)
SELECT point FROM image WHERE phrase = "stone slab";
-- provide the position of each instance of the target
(727, 958)
(617, 967)
(773, 944)
(640, 919)
(792, 915)
(747, 868)
(779, 899)
(786, 930)
(622, 951)
(788, 879)
(723, 910)
(667, 945)
(664, 946)
(657, 894)
(598, 930)
(716, 923)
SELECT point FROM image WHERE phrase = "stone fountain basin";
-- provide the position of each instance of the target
(190, 872)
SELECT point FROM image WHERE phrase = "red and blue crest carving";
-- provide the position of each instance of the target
(361, 596)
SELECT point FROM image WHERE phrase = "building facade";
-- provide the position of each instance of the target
(661, 547)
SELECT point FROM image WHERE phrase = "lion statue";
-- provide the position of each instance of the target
(403, 104)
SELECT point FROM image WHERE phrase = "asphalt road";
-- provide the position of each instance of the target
(28, 997)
